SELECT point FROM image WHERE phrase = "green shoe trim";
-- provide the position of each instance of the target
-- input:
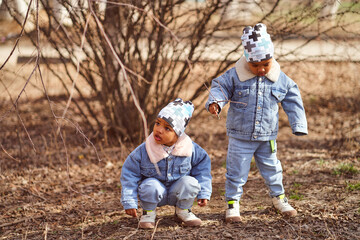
(282, 196)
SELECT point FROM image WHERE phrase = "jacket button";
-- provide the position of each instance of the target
(257, 122)
(239, 93)
(255, 137)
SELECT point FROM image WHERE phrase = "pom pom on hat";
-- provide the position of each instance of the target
(178, 114)
(257, 43)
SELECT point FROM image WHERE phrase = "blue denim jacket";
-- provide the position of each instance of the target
(254, 112)
(138, 166)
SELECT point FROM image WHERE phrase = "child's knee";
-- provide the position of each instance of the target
(189, 182)
(186, 187)
(151, 190)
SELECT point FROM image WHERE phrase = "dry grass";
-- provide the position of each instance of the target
(49, 194)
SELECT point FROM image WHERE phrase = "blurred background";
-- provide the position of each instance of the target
(109, 66)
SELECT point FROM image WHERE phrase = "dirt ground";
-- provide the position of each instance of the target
(69, 192)
(51, 191)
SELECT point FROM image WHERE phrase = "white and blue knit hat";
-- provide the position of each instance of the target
(178, 114)
(257, 43)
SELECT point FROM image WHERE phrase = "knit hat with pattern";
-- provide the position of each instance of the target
(178, 114)
(257, 43)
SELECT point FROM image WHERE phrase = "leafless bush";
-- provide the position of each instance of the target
(142, 54)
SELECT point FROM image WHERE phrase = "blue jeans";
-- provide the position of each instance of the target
(238, 161)
(182, 193)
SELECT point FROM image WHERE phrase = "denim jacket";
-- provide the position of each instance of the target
(187, 159)
(254, 112)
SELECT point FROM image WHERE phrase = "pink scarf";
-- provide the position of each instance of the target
(183, 148)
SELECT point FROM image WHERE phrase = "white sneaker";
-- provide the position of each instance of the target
(281, 203)
(187, 217)
(147, 220)
(232, 211)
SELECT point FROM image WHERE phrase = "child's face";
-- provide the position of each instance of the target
(260, 68)
(163, 133)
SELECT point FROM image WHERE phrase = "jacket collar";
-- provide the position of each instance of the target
(244, 73)
(183, 148)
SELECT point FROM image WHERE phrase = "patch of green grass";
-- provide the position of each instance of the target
(294, 172)
(353, 187)
(223, 165)
(296, 196)
(294, 193)
(260, 207)
(320, 162)
(345, 169)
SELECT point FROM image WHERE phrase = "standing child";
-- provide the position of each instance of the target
(185, 169)
(254, 87)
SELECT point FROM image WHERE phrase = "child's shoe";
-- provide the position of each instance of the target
(232, 212)
(147, 220)
(187, 217)
(281, 203)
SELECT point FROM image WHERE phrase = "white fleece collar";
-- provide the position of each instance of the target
(244, 73)
(183, 148)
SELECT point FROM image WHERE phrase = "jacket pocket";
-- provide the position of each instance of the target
(241, 98)
(148, 172)
(184, 168)
(278, 94)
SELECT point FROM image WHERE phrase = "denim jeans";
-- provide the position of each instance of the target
(238, 161)
(182, 193)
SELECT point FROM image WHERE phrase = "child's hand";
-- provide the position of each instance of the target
(202, 202)
(131, 212)
(214, 108)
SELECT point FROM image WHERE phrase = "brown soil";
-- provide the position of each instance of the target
(67, 192)
(52, 190)
(55, 189)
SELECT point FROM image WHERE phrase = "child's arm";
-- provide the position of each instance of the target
(220, 93)
(294, 108)
(130, 178)
(201, 170)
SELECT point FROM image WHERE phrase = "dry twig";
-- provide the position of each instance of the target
(156, 225)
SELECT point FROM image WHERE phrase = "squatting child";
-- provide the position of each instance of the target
(254, 87)
(183, 165)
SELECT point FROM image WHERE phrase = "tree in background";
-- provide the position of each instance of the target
(119, 67)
